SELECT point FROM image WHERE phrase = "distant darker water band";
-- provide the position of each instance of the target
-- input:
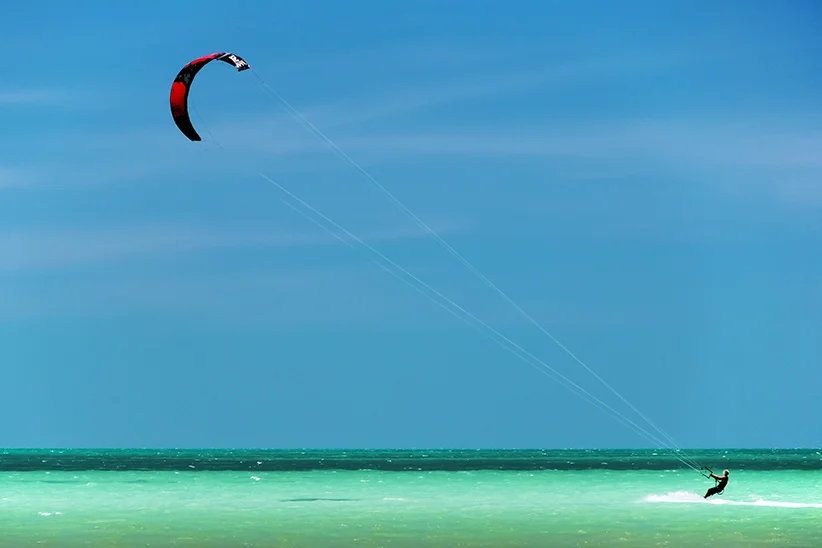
(260, 460)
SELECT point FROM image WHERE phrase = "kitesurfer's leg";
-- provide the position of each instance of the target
(711, 491)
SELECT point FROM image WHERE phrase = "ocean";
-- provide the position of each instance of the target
(439, 498)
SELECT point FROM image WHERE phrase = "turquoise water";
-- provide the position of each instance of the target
(407, 498)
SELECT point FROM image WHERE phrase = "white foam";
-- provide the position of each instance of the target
(686, 497)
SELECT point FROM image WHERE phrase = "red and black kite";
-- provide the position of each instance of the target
(182, 84)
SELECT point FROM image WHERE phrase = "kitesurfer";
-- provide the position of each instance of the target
(721, 482)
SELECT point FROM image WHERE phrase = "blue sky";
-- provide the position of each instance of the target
(644, 179)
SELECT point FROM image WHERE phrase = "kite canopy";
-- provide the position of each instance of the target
(182, 85)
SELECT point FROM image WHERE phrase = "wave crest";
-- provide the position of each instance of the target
(687, 497)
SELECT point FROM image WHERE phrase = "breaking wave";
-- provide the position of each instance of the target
(686, 497)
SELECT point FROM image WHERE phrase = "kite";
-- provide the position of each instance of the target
(182, 85)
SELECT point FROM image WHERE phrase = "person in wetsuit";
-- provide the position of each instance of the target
(721, 482)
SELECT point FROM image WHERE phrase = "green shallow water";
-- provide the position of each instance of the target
(567, 498)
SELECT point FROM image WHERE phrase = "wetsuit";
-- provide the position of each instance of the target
(722, 481)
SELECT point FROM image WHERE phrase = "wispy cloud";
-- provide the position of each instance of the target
(774, 151)
(725, 152)
(445, 59)
(427, 55)
(712, 143)
(350, 294)
(12, 177)
(807, 192)
(770, 153)
(360, 294)
(129, 155)
(441, 90)
(773, 156)
(49, 248)
(785, 163)
(19, 97)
